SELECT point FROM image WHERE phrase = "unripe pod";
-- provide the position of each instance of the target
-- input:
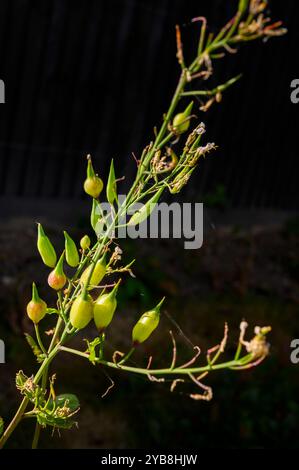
(111, 191)
(104, 308)
(146, 324)
(71, 252)
(243, 5)
(36, 308)
(57, 278)
(142, 214)
(181, 121)
(81, 312)
(98, 272)
(45, 248)
(93, 185)
(85, 242)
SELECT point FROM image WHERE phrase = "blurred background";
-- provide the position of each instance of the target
(96, 78)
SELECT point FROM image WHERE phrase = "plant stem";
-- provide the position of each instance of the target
(168, 371)
(14, 422)
(22, 408)
(40, 343)
(37, 425)
(127, 356)
(36, 436)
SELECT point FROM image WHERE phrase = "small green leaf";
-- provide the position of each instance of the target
(50, 311)
(91, 347)
(68, 399)
(35, 349)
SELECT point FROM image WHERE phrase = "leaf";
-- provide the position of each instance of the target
(45, 419)
(1, 426)
(68, 399)
(50, 311)
(59, 412)
(91, 346)
(35, 348)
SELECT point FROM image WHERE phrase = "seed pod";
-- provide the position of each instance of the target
(85, 242)
(142, 214)
(57, 278)
(96, 214)
(181, 121)
(98, 272)
(45, 248)
(81, 312)
(146, 324)
(71, 252)
(111, 185)
(243, 4)
(36, 308)
(104, 308)
(93, 185)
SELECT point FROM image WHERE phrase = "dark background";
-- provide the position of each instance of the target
(95, 77)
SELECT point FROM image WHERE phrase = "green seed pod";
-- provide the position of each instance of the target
(85, 242)
(96, 214)
(146, 324)
(93, 185)
(36, 308)
(181, 121)
(45, 248)
(142, 214)
(71, 252)
(111, 185)
(104, 308)
(81, 312)
(243, 5)
(57, 278)
(98, 272)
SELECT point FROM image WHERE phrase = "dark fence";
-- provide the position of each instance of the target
(95, 77)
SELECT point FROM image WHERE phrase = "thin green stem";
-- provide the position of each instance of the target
(40, 343)
(14, 422)
(36, 436)
(168, 371)
(37, 425)
(127, 356)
